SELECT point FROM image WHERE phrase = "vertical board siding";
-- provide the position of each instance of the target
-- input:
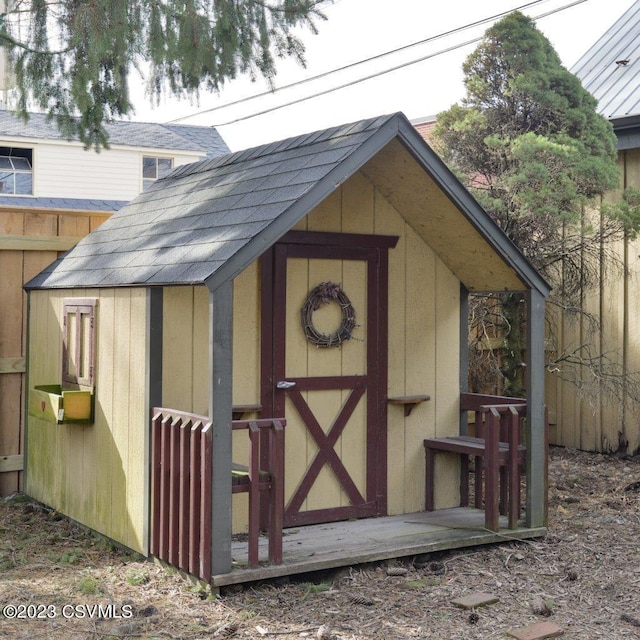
(421, 288)
(585, 415)
(96, 473)
(185, 355)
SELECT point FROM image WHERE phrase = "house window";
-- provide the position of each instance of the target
(78, 345)
(154, 168)
(16, 171)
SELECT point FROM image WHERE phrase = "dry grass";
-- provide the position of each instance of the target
(584, 576)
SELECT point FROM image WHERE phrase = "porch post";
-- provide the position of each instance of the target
(155, 320)
(220, 405)
(464, 353)
(536, 450)
(153, 383)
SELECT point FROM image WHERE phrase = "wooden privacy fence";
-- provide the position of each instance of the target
(182, 452)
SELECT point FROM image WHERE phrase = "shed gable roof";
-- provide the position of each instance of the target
(207, 221)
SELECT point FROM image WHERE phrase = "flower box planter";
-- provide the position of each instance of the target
(61, 406)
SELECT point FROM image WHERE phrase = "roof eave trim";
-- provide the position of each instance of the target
(303, 206)
(465, 202)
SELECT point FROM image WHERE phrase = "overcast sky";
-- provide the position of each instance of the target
(360, 29)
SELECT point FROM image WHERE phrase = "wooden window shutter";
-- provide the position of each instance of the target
(78, 342)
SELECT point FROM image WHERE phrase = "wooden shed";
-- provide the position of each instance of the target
(319, 281)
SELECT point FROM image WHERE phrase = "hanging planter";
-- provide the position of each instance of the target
(327, 293)
(52, 403)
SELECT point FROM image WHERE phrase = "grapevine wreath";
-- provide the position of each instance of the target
(325, 293)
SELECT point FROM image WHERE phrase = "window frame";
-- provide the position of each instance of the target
(24, 153)
(147, 182)
(84, 345)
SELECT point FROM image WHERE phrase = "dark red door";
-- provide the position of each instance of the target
(326, 372)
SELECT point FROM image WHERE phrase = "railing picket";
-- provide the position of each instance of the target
(184, 504)
(195, 480)
(164, 488)
(174, 490)
(276, 510)
(206, 488)
(156, 456)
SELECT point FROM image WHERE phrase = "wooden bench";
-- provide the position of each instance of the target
(498, 457)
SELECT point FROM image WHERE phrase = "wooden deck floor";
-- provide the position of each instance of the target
(340, 544)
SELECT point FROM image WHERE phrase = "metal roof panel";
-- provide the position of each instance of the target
(610, 69)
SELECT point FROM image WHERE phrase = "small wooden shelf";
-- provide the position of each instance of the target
(409, 402)
(240, 410)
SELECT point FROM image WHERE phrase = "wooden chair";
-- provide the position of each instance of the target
(253, 480)
(498, 457)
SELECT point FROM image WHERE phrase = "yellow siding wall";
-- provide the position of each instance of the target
(424, 321)
(424, 299)
(185, 362)
(95, 474)
(583, 414)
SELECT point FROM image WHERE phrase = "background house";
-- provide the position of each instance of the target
(586, 416)
(196, 289)
(52, 193)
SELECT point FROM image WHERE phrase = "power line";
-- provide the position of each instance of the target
(373, 75)
(356, 64)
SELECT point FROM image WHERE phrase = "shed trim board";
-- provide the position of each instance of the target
(153, 386)
(535, 423)
(220, 410)
(464, 353)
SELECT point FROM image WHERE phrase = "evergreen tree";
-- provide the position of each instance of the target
(72, 58)
(529, 143)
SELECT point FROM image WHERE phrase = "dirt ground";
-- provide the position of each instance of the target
(584, 577)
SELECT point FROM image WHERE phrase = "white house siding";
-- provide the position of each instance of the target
(67, 170)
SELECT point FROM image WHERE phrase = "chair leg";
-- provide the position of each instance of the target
(478, 472)
(276, 520)
(254, 524)
(491, 503)
(429, 479)
(514, 499)
(464, 480)
(276, 495)
(504, 491)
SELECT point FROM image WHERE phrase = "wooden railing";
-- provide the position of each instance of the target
(182, 453)
(181, 480)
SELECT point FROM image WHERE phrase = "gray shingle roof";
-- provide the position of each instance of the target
(130, 134)
(207, 221)
(610, 69)
(69, 204)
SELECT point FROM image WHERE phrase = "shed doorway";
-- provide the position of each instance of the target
(325, 371)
